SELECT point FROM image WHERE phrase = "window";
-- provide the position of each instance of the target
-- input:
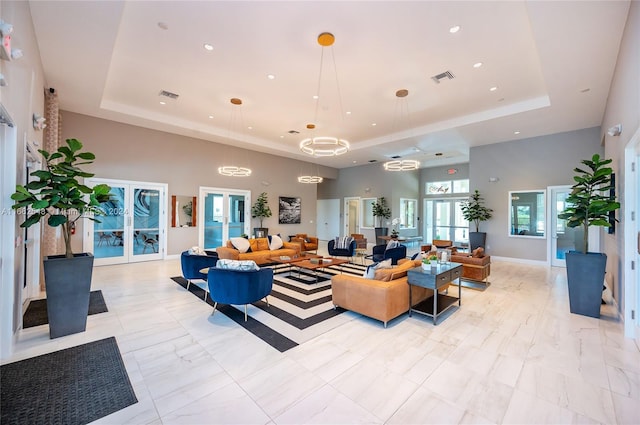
(447, 187)
(367, 220)
(408, 213)
(527, 213)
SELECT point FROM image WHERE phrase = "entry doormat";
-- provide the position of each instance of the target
(36, 313)
(300, 306)
(73, 386)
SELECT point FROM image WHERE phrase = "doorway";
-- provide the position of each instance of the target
(444, 220)
(327, 221)
(351, 215)
(225, 214)
(631, 251)
(133, 226)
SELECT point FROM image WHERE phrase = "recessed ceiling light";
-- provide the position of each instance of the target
(163, 102)
(373, 124)
(348, 112)
(210, 117)
(477, 64)
(271, 77)
(516, 132)
(494, 88)
(282, 137)
(315, 96)
(454, 29)
(163, 25)
(355, 162)
(250, 128)
(208, 46)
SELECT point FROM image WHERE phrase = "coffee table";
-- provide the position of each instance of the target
(326, 262)
(288, 261)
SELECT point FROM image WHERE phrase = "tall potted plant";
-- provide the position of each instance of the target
(57, 196)
(589, 204)
(381, 211)
(261, 210)
(474, 211)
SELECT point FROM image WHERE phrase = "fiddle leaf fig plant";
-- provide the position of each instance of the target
(381, 209)
(57, 195)
(260, 208)
(474, 210)
(589, 204)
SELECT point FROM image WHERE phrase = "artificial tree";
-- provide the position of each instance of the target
(261, 210)
(591, 203)
(381, 211)
(57, 195)
(474, 211)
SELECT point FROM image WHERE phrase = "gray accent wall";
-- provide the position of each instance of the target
(372, 181)
(126, 152)
(527, 164)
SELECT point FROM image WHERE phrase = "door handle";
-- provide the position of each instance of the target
(638, 243)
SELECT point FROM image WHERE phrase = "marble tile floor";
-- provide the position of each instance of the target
(512, 354)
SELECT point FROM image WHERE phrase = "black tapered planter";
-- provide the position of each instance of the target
(381, 231)
(68, 284)
(260, 232)
(585, 277)
(477, 240)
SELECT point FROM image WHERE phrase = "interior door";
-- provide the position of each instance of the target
(224, 214)
(351, 215)
(133, 226)
(327, 227)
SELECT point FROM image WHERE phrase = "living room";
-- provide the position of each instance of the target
(185, 163)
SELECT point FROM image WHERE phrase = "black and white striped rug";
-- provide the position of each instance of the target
(300, 305)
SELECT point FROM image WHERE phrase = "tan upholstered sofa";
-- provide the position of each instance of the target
(384, 297)
(260, 252)
(475, 266)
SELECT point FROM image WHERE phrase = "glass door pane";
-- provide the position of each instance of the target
(108, 235)
(236, 215)
(563, 238)
(146, 221)
(213, 218)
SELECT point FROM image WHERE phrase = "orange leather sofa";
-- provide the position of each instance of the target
(384, 297)
(260, 252)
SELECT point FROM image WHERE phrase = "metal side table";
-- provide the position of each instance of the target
(435, 278)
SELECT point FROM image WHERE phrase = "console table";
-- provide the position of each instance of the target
(435, 278)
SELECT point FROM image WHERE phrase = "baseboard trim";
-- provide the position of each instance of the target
(519, 260)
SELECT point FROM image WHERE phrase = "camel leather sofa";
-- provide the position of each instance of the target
(384, 297)
(259, 252)
(475, 266)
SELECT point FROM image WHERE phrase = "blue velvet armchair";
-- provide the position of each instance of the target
(192, 264)
(381, 253)
(239, 286)
(335, 252)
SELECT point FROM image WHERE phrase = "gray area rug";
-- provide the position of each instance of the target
(74, 386)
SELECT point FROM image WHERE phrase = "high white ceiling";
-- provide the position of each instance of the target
(551, 61)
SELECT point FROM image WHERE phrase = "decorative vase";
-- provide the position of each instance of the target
(426, 266)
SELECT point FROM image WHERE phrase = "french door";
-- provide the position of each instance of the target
(133, 227)
(444, 220)
(225, 214)
(351, 215)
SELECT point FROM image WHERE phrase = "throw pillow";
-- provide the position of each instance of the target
(196, 250)
(392, 244)
(241, 244)
(243, 265)
(370, 272)
(386, 264)
(478, 252)
(275, 242)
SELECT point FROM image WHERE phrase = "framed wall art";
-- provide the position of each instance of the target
(289, 210)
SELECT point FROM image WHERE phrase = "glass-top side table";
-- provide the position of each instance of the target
(435, 278)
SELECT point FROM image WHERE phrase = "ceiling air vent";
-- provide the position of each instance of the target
(293, 132)
(445, 75)
(396, 157)
(373, 160)
(168, 94)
